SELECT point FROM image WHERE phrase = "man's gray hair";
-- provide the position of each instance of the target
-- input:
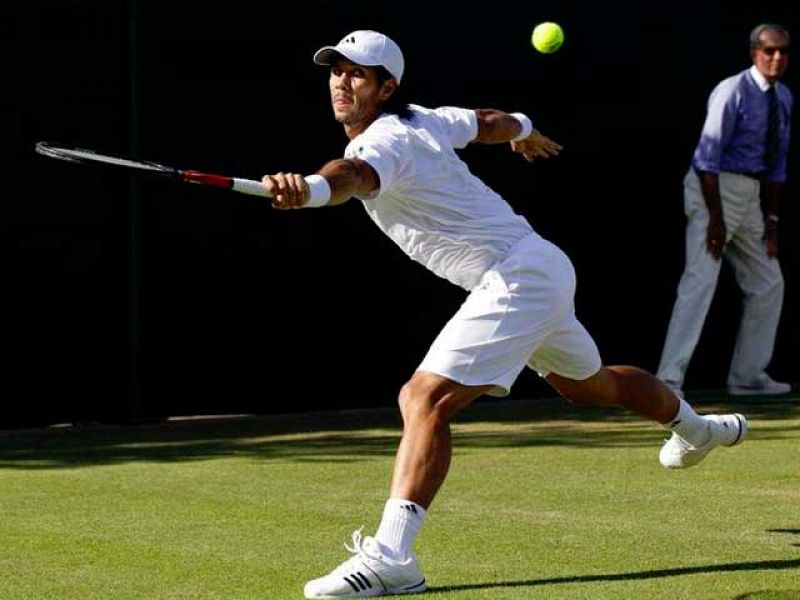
(755, 35)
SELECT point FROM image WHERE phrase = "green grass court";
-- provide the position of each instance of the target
(544, 500)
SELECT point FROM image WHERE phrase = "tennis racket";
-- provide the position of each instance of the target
(146, 168)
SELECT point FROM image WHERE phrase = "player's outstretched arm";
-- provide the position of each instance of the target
(496, 127)
(335, 183)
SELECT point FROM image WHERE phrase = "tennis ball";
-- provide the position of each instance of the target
(547, 37)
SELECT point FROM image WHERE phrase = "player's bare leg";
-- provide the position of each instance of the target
(427, 402)
(622, 386)
(693, 436)
(384, 564)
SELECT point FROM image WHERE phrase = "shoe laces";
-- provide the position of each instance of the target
(357, 551)
(357, 547)
(364, 547)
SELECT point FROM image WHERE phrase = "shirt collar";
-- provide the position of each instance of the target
(761, 82)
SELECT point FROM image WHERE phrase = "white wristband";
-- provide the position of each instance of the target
(320, 191)
(527, 126)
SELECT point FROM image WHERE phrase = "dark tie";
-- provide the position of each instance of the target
(773, 129)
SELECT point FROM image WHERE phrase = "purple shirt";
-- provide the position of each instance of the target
(735, 131)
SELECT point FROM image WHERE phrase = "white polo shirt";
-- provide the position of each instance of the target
(428, 202)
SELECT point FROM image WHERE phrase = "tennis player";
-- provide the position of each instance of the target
(401, 162)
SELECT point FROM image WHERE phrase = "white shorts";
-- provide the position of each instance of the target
(520, 313)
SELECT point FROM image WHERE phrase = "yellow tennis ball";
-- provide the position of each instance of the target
(547, 37)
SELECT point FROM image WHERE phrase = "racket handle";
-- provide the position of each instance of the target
(250, 186)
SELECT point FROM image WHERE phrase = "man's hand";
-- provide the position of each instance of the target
(535, 146)
(771, 239)
(715, 235)
(288, 190)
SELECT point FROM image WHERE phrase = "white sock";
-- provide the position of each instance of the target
(399, 526)
(689, 425)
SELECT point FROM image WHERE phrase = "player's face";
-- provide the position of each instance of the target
(771, 58)
(356, 94)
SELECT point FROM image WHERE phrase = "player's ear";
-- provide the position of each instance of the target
(387, 89)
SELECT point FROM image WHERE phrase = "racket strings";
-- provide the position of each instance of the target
(81, 155)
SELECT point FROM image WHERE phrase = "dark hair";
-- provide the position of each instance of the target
(397, 103)
(755, 34)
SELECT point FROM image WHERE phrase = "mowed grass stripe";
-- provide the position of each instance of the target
(543, 501)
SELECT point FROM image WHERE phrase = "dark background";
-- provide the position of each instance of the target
(128, 299)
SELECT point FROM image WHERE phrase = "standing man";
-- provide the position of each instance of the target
(402, 164)
(738, 165)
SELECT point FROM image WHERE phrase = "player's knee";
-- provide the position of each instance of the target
(423, 404)
(601, 389)
(416, 402)
(590, 396)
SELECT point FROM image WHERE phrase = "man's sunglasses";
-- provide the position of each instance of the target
(770, 50)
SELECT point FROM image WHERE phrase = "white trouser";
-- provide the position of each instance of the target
(758, 276)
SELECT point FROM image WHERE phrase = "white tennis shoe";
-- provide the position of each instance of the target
(763, 385)
(368, 573)
(726, 430)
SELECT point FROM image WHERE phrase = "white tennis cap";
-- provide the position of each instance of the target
(366, 48)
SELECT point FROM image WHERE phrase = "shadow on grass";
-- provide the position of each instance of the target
(352, 435)
(764, 565)
(789, 531)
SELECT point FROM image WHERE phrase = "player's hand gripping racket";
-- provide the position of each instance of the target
(150, 169)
